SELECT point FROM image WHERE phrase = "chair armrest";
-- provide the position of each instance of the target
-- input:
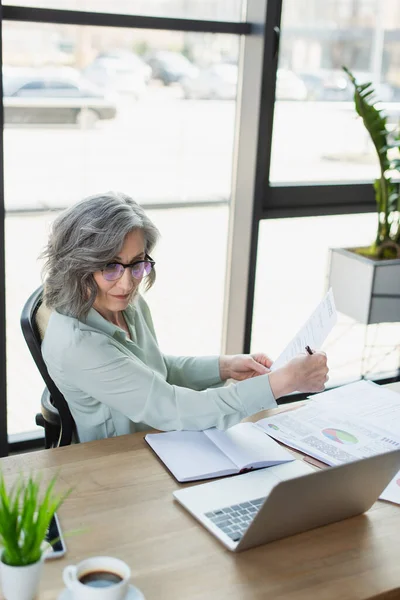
(48, 410)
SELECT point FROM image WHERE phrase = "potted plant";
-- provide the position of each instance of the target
(366, 281)
(25, 514)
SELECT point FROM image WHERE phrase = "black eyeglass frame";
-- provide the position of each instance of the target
(148, 259)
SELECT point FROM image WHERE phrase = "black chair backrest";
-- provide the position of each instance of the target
(33, 339)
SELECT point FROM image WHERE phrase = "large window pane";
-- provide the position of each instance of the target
(186, 300)
(220, 10)
(317, 136)
(292, 270)
(91, 109)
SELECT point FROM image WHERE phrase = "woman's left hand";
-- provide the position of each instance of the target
(244, 366)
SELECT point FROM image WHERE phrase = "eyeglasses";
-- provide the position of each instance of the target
(139, 269)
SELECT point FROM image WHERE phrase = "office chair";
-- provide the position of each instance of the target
(55, 416)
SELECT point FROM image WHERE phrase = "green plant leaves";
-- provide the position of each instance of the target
(386, 192)
(374, 119)
(25, 515)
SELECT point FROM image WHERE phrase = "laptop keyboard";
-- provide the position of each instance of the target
(234, 520)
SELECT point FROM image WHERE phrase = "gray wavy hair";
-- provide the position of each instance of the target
(83, 239)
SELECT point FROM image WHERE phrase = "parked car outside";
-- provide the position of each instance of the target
(50, 96)
(217, 82)
(220, 81)
(170, 67)
(325, 84)
(333, 85)
(289, 86)
(119, 71)
(129, 59)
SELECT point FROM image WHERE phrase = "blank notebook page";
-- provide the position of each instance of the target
(190, 454)
(245, 444)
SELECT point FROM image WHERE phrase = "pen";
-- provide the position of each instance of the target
(309, 350)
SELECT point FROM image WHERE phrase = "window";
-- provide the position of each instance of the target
(317, 137)
(145, 124)
(292, 271)
(140, 135)
(187, 320)
(322, 162)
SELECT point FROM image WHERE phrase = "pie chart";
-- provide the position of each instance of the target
(339, 436)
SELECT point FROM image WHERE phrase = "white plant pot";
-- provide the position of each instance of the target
(20, 583)
(365, 289)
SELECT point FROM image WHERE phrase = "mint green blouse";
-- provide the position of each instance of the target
(116, 385)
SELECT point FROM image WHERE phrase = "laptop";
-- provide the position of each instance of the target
(261, 506)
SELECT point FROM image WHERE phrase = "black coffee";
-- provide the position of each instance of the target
(100, 579)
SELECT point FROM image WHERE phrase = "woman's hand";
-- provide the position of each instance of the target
(304, 373)
(243, 366)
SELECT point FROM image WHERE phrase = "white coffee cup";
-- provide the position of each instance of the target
(81, 578)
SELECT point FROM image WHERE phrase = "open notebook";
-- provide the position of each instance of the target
(193, 455)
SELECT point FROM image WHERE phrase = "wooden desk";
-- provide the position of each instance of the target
(123, 500)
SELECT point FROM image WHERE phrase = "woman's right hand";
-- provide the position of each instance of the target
(304, 373)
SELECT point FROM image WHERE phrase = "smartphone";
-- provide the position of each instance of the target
(58, 548)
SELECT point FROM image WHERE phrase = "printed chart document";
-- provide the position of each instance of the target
(365, 399)
(193, 455)
(341, 425)
(313, 333)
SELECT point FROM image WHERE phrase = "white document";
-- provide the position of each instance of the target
(313, 333)
(365, 399)
(329, 436)
(344, 424)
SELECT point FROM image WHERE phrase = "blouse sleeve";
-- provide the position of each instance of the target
(126, 384)
(194, 372)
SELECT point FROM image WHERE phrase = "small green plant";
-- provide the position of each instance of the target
(387, 193)
(25, 515)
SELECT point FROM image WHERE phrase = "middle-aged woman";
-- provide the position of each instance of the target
(101, 349)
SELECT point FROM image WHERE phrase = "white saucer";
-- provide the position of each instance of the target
(133, 594)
